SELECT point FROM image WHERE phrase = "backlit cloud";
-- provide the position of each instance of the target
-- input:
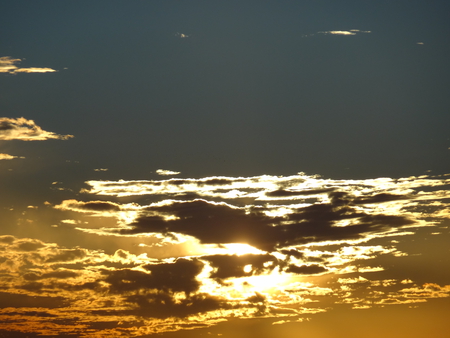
(235, 247)
(349, 32)
(25, 130)
(8, 157)
(164, 172)
(9, 65)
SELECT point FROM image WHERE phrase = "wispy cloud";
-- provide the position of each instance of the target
(164, 172)
(338, 32)
(25, 130)
(349, 32)
(9, 65)
(8, 157)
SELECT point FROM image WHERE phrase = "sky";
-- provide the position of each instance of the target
(224, 168)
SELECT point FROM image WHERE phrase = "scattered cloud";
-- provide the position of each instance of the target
(25, 130)
(253, 247)
(75, 289)
(9, 65)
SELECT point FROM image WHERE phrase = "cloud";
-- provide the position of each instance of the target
(25, 130)
(8, 65)
(278, 213)
(303, 230)
(339, 32)
(8, 157)
(182, 35)
(349, 32)
(166, 172)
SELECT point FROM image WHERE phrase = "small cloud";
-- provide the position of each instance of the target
(8, 157)
(420, 43)
(349, 32)
(25, 130)
(69, 221)
(359, 31)
(8, 65)
(164, 172)
(182, 35)
(339, 32)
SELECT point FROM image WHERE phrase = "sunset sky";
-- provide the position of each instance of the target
(224, 168)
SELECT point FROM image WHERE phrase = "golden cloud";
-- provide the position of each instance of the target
(8, 65)
(25, 130)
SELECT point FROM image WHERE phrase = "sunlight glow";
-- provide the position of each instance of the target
(231, 249)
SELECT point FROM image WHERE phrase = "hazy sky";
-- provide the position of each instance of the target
(224, 168)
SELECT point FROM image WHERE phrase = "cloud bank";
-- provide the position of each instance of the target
(254, 247)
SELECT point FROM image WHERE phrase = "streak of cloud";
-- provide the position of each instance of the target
(9, 65)
(8, 157)
(164, 172)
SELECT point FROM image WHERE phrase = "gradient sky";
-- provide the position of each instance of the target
(224, 168)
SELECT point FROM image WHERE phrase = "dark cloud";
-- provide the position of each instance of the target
(306, 269)
(227, 266)
(209, 222)
(163, 305)
(7, 239)
(29, 246)
(222, 223)
(290, 193)
(64, 274)
(92, 206)
(257, 298)
(174, 277)
(15, 300)
(292, 252)
(381, 198)
(66, 255)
